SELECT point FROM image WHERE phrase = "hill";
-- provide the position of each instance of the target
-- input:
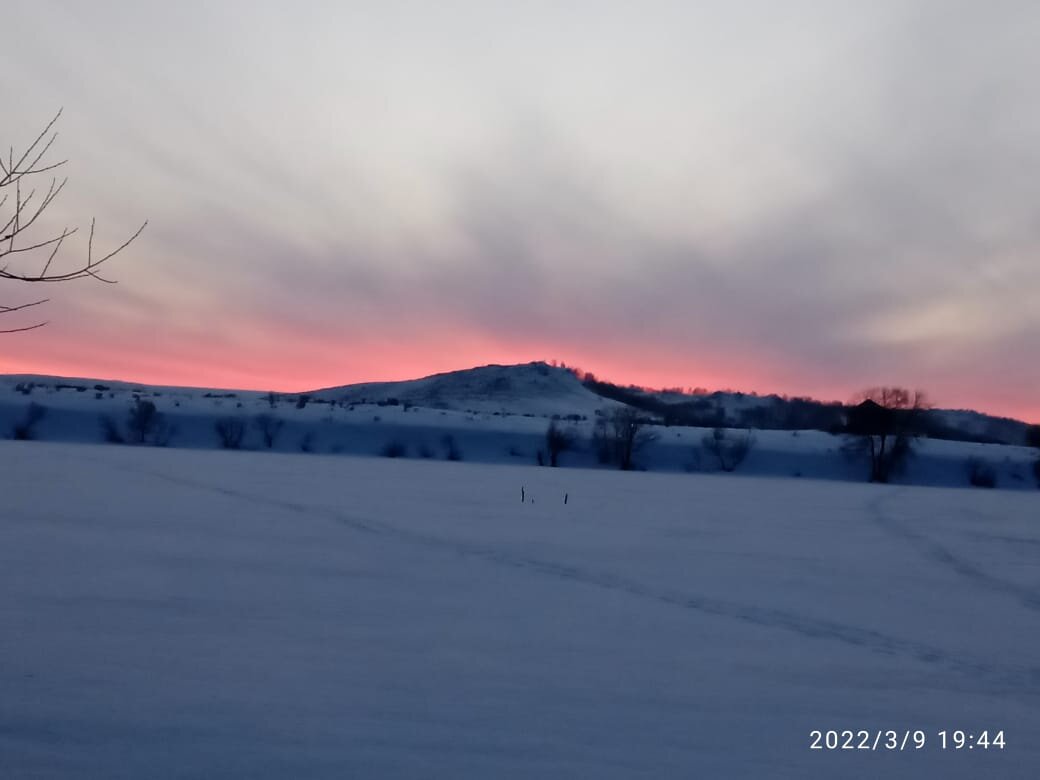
(528, 388)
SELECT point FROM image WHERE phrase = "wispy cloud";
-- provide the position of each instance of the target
(807, 197)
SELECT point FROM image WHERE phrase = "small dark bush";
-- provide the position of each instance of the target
(981, 474)
(394, 449)
(110, 431)
(728, 449)
(269, 427)
(557, 441)
(143, 422)
(230, 432)
(451, 449)
(25, 429)
(307, 443)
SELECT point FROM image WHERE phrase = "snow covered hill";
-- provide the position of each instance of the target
(531, 388)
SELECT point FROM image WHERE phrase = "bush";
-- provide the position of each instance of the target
(728, 449)
(269, 427)
(601, 443)
(451, 449)
(394, 449)
(143, 422)
(25, 429)
(110, 431)
(981, 474)
(230, 432)
(1036, 472)
(557, 441)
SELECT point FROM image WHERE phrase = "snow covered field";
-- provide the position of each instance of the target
(205, 614)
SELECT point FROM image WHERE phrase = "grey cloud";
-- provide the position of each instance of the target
(905, 138)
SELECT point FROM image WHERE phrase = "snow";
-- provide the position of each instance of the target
(499, 414)
(533, 388)
(174, 613)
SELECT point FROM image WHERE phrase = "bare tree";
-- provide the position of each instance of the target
(729, 450)
(884, 422)
(1033, 440)
(620, 436)
(230, 432)
(25, 196)
(269, 427)
(145, 424)
(558, 441)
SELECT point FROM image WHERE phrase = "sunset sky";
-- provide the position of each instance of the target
(795, 197)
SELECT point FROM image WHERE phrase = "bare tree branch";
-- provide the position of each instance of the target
(15, 242)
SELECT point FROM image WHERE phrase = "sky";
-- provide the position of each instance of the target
(803, 197)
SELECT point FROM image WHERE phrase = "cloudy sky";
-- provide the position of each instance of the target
(800, 197)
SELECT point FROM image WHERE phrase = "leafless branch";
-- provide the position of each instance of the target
(15, 241)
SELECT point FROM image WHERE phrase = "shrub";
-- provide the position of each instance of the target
(144, 425)
(601, 443)
(557, 441)
(394, 449)
(981, 474)
(25, 429)
(269, 427)
(307, 442)
(142, 422)
(728, 449)
(451, 449)
(1036, 472)
(230, 432)
(110, 431)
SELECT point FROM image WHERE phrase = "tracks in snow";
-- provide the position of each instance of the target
(933, 551)
(1018, 680)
